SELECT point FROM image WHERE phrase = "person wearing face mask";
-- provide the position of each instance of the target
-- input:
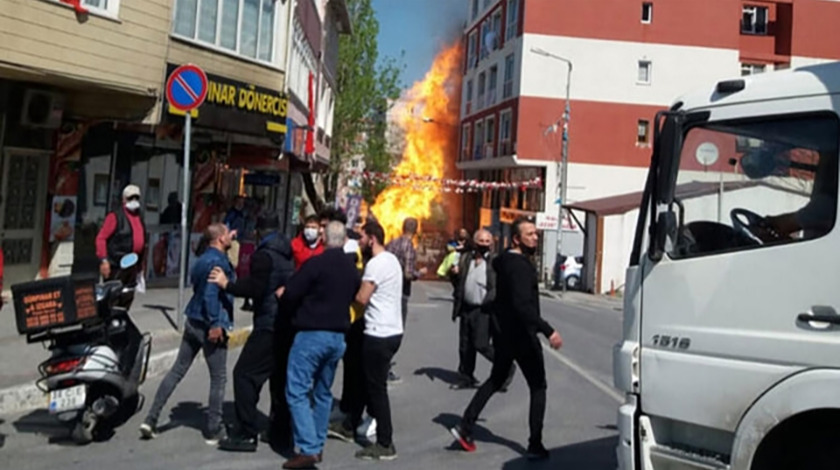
(475, 291)
(516, 308)
(308, 243)
(123, 232)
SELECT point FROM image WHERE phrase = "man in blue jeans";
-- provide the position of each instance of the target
(320, 295)
(209, 319)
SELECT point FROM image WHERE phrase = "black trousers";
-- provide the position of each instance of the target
(255, 366)
(474, 337)
(525, 350)
(353, 388)
(376, 356)
(281, 418)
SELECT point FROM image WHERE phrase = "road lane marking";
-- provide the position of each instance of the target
(585, 374)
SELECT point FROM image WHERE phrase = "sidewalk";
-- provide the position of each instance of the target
(599, 301)
(154, 312)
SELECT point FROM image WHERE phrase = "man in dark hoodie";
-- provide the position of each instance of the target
(517, 313)
(271, 267)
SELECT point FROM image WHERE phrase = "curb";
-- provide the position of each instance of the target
(28, 397)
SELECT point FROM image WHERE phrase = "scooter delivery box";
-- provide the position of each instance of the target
(54, 303)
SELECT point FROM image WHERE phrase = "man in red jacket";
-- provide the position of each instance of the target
(309, 243)
(123, 232)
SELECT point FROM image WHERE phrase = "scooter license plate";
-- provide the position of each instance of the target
(68, 399)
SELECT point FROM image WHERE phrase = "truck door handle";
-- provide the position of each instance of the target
(821, 314)
(807, 317)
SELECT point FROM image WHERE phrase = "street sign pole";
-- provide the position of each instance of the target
(185, 241)
(186, 90)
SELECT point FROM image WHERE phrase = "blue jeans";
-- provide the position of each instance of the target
(312, 363)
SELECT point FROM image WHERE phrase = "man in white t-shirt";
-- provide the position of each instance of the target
(381, 294)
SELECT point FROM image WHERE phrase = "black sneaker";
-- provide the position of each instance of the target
(338, 431)
(238, 442)
(537, 452)
(377, 452)
(464, 438)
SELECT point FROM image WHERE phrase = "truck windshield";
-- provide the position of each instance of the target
(748, 184)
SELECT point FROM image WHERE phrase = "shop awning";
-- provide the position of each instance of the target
(623, 203)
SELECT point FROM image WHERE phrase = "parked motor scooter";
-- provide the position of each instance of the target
(96, 365)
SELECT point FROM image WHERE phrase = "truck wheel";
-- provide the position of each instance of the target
(807, 441)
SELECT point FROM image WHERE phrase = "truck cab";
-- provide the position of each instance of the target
(730, 357)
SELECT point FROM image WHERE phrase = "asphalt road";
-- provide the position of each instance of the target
(579, 429)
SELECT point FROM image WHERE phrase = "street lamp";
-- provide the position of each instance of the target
(564, 165)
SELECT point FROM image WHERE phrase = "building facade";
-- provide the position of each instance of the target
(83, 112)
(629, 60)
(67, 76)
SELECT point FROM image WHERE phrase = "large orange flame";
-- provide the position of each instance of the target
(430, 124)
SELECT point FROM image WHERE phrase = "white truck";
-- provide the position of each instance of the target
(730, 357)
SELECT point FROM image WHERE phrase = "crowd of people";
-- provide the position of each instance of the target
(333, 294)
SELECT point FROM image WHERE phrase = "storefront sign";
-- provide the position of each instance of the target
(238, 107)
(485, 218)
(547, 221)
(508, 216)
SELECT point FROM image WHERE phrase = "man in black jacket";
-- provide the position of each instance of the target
(320, 293)
(517, 310)
(271, 267)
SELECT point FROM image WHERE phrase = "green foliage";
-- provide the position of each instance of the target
(362, 98)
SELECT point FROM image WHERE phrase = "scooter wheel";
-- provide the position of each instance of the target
(82, 433)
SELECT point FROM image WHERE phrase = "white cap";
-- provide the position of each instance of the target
(131, 190)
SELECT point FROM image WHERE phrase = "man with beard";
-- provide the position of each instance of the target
(517, 309)
(209, 321)
(271, 267)
(123, 232)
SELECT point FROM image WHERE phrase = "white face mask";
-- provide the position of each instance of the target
(310, 234)
(133, 206)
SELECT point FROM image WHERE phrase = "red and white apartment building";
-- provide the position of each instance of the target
(630, 59)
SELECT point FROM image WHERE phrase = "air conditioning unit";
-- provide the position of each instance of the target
(42, 109)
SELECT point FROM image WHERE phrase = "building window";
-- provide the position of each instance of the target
(482, 83)
(643, 132)
(475, 9)
(754, 20)
(472, 59)
(647, 12)
(465, 142)
(504, 133)
(512, 26)
(752, 69)
(490, 136)
(469, 96)
(496, 30)
(245, 27)
(101, 7)
(645, 67)
(507, 92)
(491, 87)
(478, 141)
(486, 38)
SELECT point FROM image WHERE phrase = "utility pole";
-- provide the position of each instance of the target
(563, 167)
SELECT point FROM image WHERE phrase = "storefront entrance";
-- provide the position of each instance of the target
(23, 194)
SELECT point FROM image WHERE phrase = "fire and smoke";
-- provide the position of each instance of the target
(430, 125)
